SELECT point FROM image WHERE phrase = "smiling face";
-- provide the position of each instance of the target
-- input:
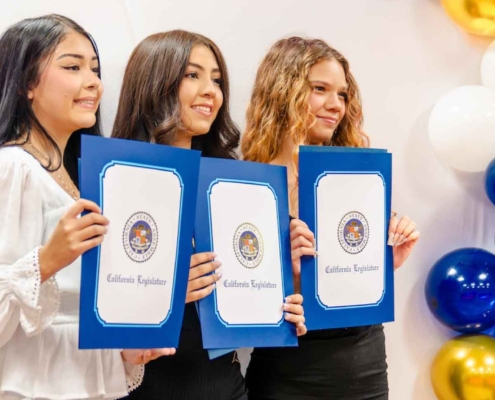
(69, 90)
(327, 99)
(200, 94)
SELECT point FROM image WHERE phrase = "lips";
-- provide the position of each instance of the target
(204, 109)
(328, 120)
(87, 102)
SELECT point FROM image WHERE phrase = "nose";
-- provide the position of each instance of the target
(333, 102)
(209, 89)
(91, 80)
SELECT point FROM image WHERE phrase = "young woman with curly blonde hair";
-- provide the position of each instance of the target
(305, 93)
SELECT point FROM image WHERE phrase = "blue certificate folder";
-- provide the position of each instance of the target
(344, 197)
(242, 216)
(133, 286)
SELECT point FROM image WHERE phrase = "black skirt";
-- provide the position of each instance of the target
(336, 364)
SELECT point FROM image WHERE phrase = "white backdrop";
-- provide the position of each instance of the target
(405, 55)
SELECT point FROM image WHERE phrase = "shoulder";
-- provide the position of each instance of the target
(16, 164)
(16, 157)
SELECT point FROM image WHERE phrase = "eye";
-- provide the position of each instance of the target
(193, 75)
(96, 70)
(344, 95)
(318, 89)
(217, 81)
(71, 67)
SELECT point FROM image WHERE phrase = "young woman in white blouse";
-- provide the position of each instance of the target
(50, 88)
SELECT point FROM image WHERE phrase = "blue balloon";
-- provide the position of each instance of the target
(460, 290)
(490, 181)
(490, 332)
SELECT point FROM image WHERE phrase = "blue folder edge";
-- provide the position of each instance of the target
(96, 152)
(312, 161)
(215, 334)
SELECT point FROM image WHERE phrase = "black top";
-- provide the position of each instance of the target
(328, 364)
(190, 374)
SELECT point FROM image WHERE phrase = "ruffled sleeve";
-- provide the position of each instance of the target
(23, 299)
(134, 375)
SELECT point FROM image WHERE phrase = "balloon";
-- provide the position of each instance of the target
(490, 181)
(462, 128)
(488, 67)
(489, 332)
(460, 290)
(474, 16)
(464, 369)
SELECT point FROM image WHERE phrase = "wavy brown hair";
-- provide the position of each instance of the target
(279, 106)
(149, 108)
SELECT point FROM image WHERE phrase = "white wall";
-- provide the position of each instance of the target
(405, 55)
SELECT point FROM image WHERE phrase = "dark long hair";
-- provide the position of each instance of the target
(23, 47)
(149, 108)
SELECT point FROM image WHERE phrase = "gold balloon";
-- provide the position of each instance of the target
(474, 16)
(464, 369)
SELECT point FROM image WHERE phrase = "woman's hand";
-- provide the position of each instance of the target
(137, 357)
(302, 243)
(201, 285)
(72, 237)
(294, 312)
(403, 236)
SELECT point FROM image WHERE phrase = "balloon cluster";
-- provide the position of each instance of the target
(460, 288)
(462, 123)
(460, 293)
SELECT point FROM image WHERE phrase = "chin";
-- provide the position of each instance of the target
(201, 130)
(319, 139)
(320, 134)
(85, 123)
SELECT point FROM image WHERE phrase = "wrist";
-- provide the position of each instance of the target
(47, 269)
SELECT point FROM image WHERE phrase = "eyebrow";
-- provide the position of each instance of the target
(79, 56)
(201, 67)
(323, 83)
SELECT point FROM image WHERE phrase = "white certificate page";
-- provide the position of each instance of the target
(350, 239)
(138, 254)
(245, 234)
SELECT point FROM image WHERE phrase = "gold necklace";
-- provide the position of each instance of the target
(71, 189)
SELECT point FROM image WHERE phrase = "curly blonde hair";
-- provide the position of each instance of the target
(279, 107)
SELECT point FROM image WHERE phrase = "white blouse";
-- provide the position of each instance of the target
(39, 356)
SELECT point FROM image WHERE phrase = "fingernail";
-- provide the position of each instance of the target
(219, 275)
(214, 286)
(286, 307)
(288, 300)
(396, 238)
(390, 239)
(316, 254)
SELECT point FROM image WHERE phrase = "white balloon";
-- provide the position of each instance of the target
(462, 128)
(488, 67)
